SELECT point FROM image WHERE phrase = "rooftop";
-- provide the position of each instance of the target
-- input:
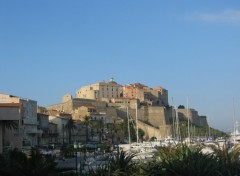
(11, 105)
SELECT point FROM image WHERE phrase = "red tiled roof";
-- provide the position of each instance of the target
(90, 107)
(10, 105)
(135, 85)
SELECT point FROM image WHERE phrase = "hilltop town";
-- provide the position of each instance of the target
(97, 113)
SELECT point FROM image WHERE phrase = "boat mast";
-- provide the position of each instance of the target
(194, 131)
(129, 136)
(173, 121)
(188, 121)
(177, 124)
(137, 121)
(209, 130)
(234, 122)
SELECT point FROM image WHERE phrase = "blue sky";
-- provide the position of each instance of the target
(191, 48)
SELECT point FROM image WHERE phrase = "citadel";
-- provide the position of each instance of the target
(106, 102)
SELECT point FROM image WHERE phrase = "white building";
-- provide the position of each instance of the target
(61, 122)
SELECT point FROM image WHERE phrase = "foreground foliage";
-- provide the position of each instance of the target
(17, 163)
(118, 165)
(182, 160)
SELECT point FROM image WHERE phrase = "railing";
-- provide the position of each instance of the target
(30, 121)
(33, 131)
(53, 134)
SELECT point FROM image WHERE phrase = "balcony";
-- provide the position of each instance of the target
(29, 121)
(45, 135)
(33, 131)
(53, 134)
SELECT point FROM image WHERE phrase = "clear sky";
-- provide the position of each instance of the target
(191, 48)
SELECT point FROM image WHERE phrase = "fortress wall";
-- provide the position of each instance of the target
(149, 131)
(193, 117)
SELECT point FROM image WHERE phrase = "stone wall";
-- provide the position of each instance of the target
(72, 104)
(158, 117)
(149, 131)
(111, 112)
(184, 114)
(66, 98)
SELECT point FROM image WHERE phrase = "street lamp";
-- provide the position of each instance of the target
(63, 134)
(80, 147)
(76, 147)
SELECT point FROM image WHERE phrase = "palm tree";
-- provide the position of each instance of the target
(111, 128)
(120, 164)
(17, 163)
(183, 160)
(70, 126)
(120, 127)
(7, 124)
(99, 125)
(86, 122)
(228, 159)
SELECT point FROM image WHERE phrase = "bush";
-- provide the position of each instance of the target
(119, 165)
(182, 161)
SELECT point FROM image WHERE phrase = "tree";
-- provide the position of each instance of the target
(7, 124)
(86, 122)
(141, 134)
(119, 127)
(70, 126)
(17, 163)
(121, 164)
(99, 125)
(111, 127)
(181, 107)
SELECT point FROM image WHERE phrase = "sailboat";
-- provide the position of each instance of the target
(235, 135)
(188, 139)
(133, 147)
(127, 147)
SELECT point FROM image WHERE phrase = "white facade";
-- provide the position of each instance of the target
(30, 123)
(61, 123)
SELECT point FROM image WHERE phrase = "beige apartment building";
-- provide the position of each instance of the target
(9, 113)
(24, 111)
(162, 94)
(60, 122)
(124, 102)
(52, 133)
(156, 96)
(101, 91)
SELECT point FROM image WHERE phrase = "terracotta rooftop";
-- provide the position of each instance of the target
(124, 98)
(90, 107)
(11, 105)
(136, 85)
